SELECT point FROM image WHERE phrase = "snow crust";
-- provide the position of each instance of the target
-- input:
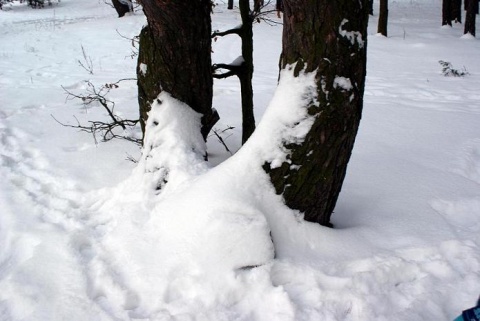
(85, 235)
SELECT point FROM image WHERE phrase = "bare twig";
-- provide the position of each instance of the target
(218, 133)
(104, 129)
(87, 62)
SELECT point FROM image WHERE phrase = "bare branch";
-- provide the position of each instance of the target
(104, 129)
(87, 63)
(235, 31)
(220, 139)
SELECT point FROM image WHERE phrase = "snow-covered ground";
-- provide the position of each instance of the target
(84, 235)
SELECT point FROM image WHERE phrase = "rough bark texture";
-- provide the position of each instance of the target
(470, 18)
(383, 18)
(329, 38)
(121, 8)
(175, 56)
(447, 12)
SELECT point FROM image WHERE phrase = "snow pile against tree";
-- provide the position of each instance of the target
(86, 235)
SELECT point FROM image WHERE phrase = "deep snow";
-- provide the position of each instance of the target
(86, 235)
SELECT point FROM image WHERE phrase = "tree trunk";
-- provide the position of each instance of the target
(175, 56)
(246, 72)
(279, 5)
(446, 13)
(456, 10)
(370, 7)
(257, 5)
(383, 18)
(327, 38)
(466, 4)
(471, 17)
(121, 8)
(230, 4)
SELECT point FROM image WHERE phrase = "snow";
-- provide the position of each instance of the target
(87, 235)
(342, 82)
(352, 36)
(143, 69)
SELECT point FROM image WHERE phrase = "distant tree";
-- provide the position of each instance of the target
(470, 18)
(327, 38)
(383, 18)
(467, 2)
(279, 5)
(447, 13)
(456, 10)
(175, 56)
(122, 7)
(257, 5)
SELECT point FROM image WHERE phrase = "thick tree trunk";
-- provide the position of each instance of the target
(446, 13)
(456, 10)
(383, 18)
(327, 38)
(471, 17)
(175, 56)
(121, 8)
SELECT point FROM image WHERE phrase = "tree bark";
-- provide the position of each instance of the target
(370, 7)
(327, 38)
(230, 4)
(175, 56)
(446, 13)
(471, 17)
(383, 18)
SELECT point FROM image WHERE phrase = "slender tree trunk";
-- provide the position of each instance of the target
(370, 7)
(471, 17)
(456, 10)
(446, 13)
(246, 73)
(257, 5)
(175, 56)
(467, 2)
(230, 4)
(279, 5)
(327, 38)
(383, 18)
